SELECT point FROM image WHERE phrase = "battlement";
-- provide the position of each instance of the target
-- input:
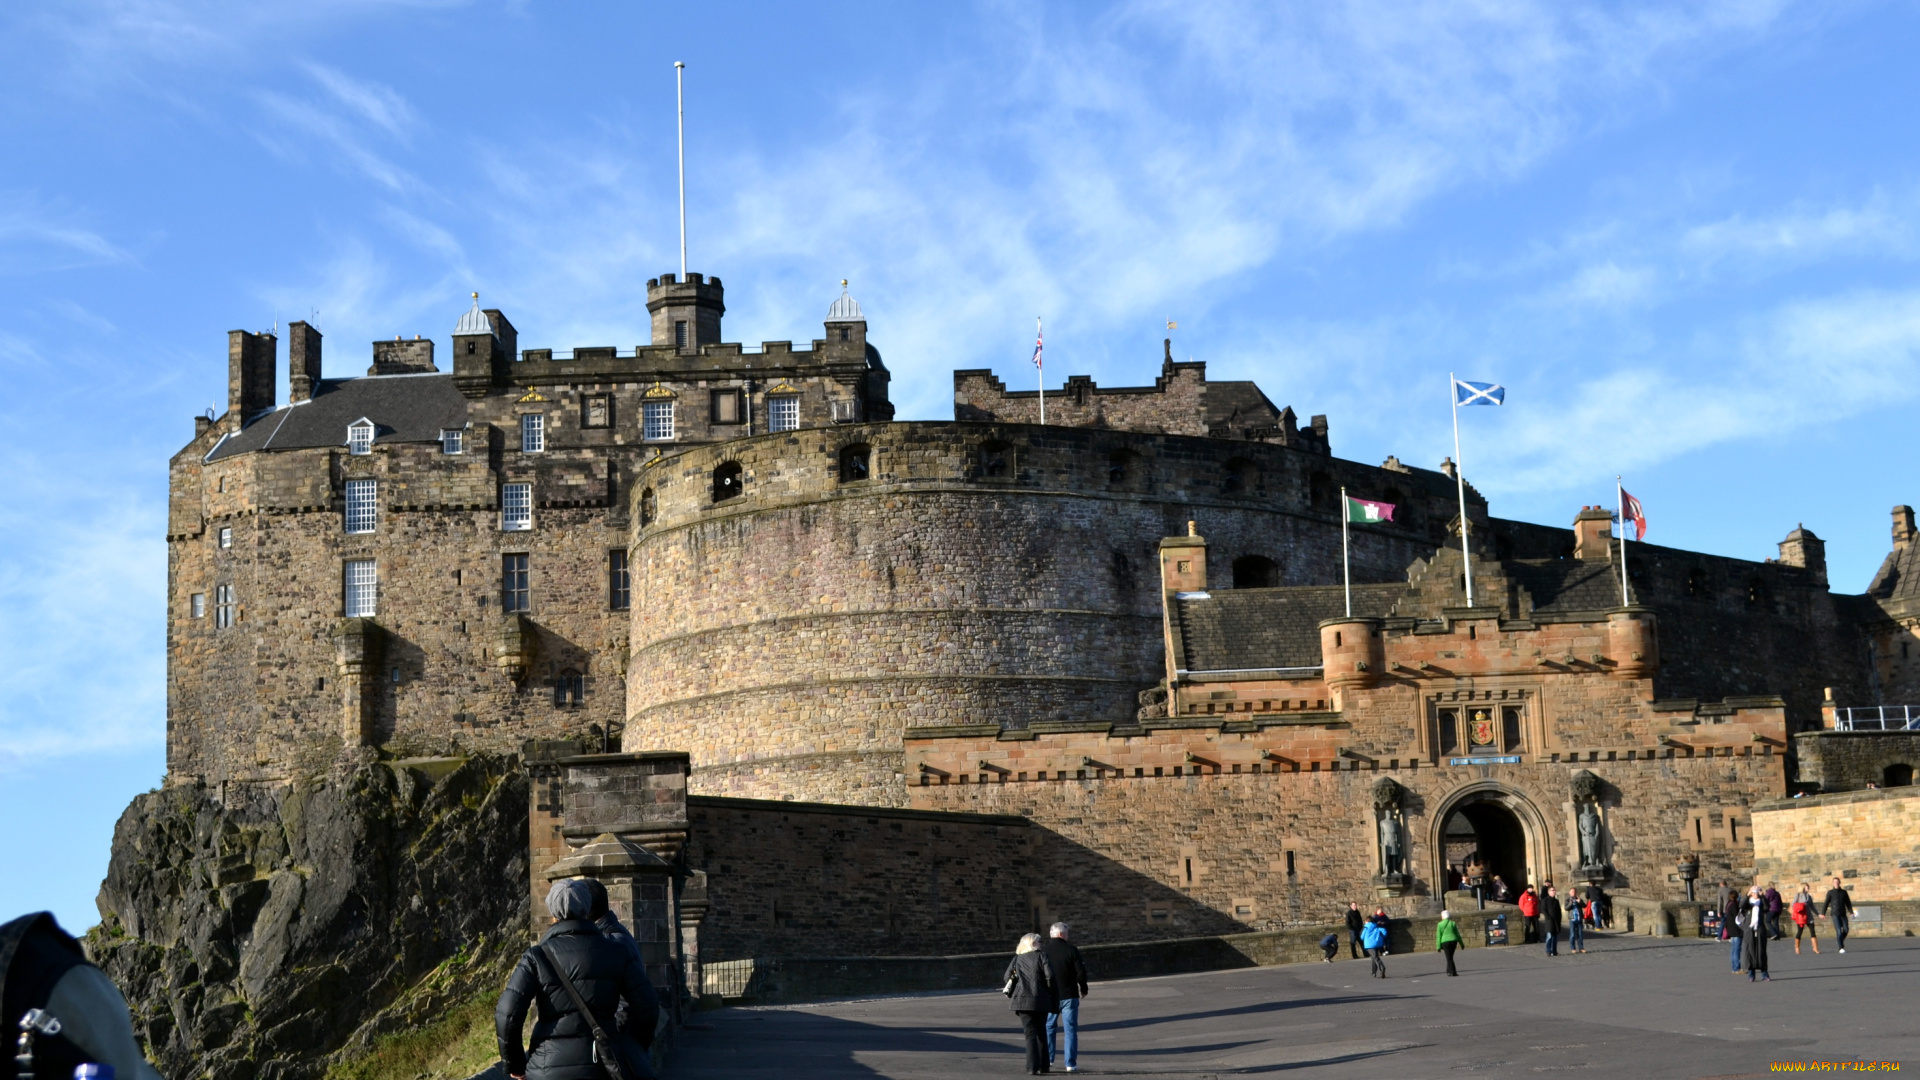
(1180, 402)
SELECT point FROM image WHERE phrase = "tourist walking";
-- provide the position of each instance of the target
(1070, 972)
(1754, 925)
(1576, 923)
(1529, 912)
(1355, 921)
(1446, 938)
(1730, 902)
(1839, 908)
(1550, 921)
(1033, 992)
(1773, 911)
(574, 964)
(1804, 914)
(1374, 937)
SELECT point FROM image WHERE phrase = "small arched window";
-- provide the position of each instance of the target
(846, 333)
(854, 462)
(1121, 466)
(1320, 491)
(569, 689)
(472, 348)
(1239, 478)
(1255, 572)
(995, 459)
(726, 481)
(646, 507)
(1897, 775)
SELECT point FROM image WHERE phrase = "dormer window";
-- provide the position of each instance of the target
(360, 436)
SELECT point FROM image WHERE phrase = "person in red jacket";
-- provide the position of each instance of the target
(1529, 912)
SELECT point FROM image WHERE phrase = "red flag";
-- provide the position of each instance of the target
(1630, 510)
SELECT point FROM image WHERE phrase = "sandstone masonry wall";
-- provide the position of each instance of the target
(1870, 839)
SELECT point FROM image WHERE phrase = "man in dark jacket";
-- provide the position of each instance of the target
(1355, 921)
(1839, 908)
(603, 971)
(1773, 912)
(609, 925)
(1071, 973)
(1550, 921)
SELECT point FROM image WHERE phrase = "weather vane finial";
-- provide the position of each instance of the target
(843, 283)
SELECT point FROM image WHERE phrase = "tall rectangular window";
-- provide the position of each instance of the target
(533, 433)
(197, 605)
(726, 407)
(596, 410)
(1449, 731)
(656, 420)
(363, 505)
(1510, 728)
(453, 441)
(680, 334)
(619, 582)
(514, 594)
(226, 536)
(516, 507)
(360, 589)
(222, 606)
(783, 413)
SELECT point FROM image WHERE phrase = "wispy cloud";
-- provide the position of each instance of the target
(38, 235)
(341, 128)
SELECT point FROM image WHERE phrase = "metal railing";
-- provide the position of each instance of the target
(728, 978)
(1878, 718)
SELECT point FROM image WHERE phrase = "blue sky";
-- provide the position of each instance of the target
(1683, 235)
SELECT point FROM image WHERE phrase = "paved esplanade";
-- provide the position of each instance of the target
(1633, 1006)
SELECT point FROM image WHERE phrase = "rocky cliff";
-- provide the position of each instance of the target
(275, 932)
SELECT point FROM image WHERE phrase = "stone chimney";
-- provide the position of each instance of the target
(252, 384)
(1903, 531)
(1183, 562)
(1803, 549)
(686, 314)
(399, 357)
(303, 361)
(1593, 533)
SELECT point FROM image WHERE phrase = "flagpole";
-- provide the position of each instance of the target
(1620, 496)
(1039, 370)
(680, 97)
(1346, 565)
(1460, 477)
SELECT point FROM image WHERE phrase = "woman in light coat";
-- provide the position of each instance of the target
(1033, 991)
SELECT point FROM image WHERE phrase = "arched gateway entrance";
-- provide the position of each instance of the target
(1499, 825)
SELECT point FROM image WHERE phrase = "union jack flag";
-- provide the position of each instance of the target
(1038, 338)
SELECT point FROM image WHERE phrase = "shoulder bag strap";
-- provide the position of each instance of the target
(608, 1052)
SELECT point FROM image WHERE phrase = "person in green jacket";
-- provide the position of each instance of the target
(1446, 938)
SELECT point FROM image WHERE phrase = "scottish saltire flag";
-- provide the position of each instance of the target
(1478, 393)
(1367, 511)
(1630, 510)
(1038, 339)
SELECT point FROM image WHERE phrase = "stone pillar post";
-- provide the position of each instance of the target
(626, 823)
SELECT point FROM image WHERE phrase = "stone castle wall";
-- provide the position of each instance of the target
(979, 573)
(1869, 839)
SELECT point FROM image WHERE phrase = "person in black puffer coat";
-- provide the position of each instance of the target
(1036, 993)
(605, 973)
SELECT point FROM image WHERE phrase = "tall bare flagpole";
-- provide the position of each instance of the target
(1039, 372)
(1460, 476)
(680, 93)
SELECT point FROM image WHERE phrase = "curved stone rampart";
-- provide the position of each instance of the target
(976, 573)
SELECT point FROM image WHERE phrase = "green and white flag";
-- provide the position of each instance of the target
(1366, 511)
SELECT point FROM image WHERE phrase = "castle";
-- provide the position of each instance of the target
(1123, 630)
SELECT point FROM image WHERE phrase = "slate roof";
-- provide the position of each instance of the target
(1566, 585)
(1899, 575)
(1270, 628)
(404, 408)
(1239, 402)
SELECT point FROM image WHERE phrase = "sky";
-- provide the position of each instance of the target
(1685, 237)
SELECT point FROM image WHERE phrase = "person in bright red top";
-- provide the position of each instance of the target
(1529, 911)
